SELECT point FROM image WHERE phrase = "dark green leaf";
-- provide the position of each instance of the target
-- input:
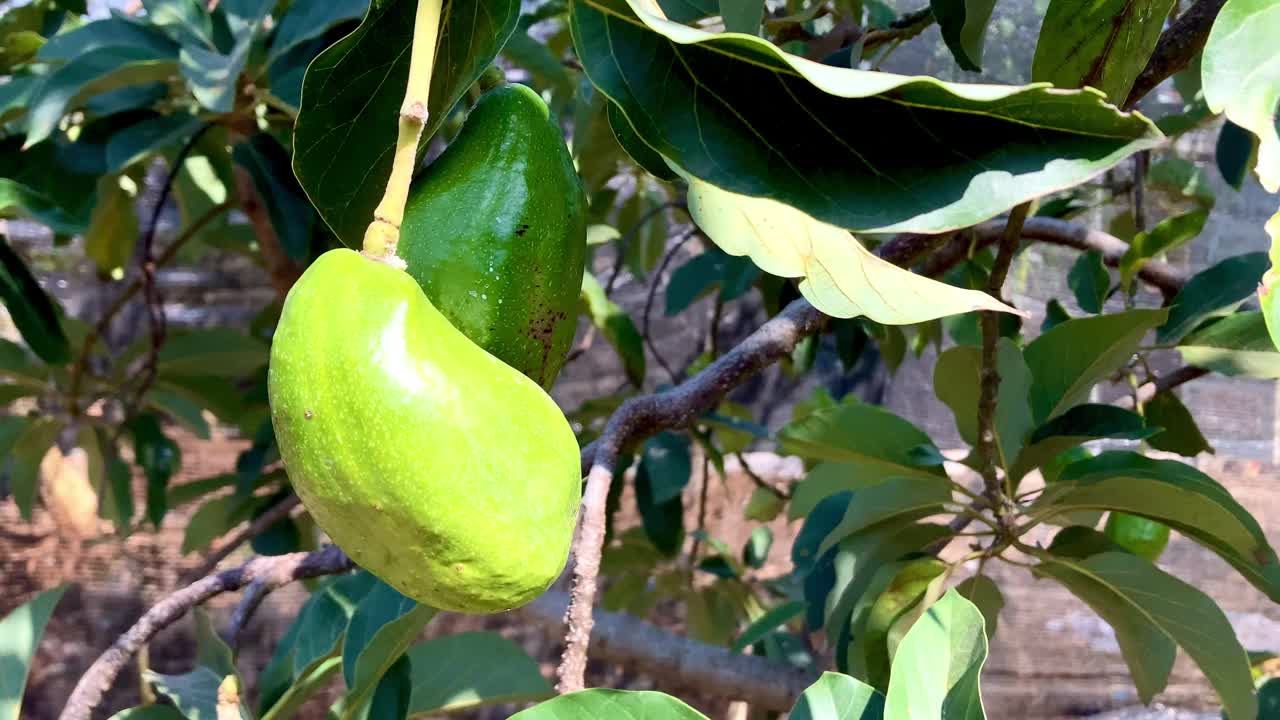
(1054, 315)
(1067, 361)
(1235, 345)
(113, 228)
(186, 21)
(384, 625)
(938, 664)
(893, 502)
(291, 215)
(643, 155)
(150, 712)
(117, 31)
(663, 521)
(923, 149)
(1101, 44)
(1077, 426)
(305, 21)
(1090, 281)
(666, 462)
(391, 697)
(213, 75)
(767, 623)
(818, 524)
(860, 556)
(24, 472)
(32, 311)
(160, 459)
(212, 352)
(956, 381)
(459, 672)
(618, 328)
(20, 633)
(1175, 494)
(90, 73)
(838, 697)
(214, 518)
(1182, 178)
(1170, 233)
(1180, 434)
(964, 28)
(986, 596)
(694, 279)
(598, 703)
(282, 537)
(18, 200)
(1234, 153)
(756, 552)
(138, 141)
(859, 434)
(353, 92)
(1150, 611)
(742, 16)
(1217, 290)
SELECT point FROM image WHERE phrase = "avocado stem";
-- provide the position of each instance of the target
(383, 233)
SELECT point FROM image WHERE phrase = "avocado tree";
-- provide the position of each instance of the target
(427, 225)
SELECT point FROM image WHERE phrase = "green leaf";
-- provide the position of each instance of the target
(756, 552)
(186, 21)
(764, 505)
(1168, 234)
(1180, 434)
(1266, 290)
(113, 228)
(929, 156)
(160, 459)
(1182, 178)
(32, 311)
(840, 276)
(1175, 494)
(384, 625)
(875, 623)
(24, 472)
(767, 623)
(150, 712)
(956, 382)
(838, 697)
(599, 703)
(1090, 281)
(455, 673)
(1100, 44)
(1237, 345)
(291, 214)
(862, 444)
(214, 518)
(742, 16)
(20, 633)
(937, 667)
(617, 326)
(212, 352)
(138, 141)
(1214, 291)
(1241, 72)
(983, 592)
(390, 700)
(117, 31)
(631, 142)
(1067, 361)
(214, 77)
(894, 501)
(1076, 427)
(964, 28)
(305, 21)
(666, 461)
(1150, 611)
(1234, 153)
(195, 694)
(353, 92)
(90, 73)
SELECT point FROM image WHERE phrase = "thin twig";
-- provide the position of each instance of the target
(253, 597)
(625, 240)
(99, 330)
(648, 303)
(702, 509)
(240, 536)
(757, 480)
(273, 571)
(988, 454)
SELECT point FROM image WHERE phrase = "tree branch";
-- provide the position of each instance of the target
(272, 572)
(242, 535)
(1177, 47)
(281, 269)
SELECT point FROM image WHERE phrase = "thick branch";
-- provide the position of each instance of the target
(270, 571)
(676, 661)
(1176, 48)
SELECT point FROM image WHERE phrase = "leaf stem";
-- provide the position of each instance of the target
(383, 233)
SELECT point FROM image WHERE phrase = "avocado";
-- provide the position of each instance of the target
(495, 233)
(433, 464)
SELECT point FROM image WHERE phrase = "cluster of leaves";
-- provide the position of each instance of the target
(274, 100)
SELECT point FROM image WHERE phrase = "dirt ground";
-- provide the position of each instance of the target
(1051, 658)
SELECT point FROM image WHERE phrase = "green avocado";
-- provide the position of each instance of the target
(1140, 536)
(495, 233)
(434, 465)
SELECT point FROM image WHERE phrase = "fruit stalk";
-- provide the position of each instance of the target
(383, 233)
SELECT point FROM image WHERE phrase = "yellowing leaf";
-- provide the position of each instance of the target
(1271, 278)
(1241, 75)
(840, 277)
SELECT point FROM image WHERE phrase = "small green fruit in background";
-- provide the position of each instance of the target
(1140, 536)
(435, 466)
(495, 232)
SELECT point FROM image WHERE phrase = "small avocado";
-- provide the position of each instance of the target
(495, 232)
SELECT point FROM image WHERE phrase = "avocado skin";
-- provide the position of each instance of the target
(495, 232)
(434, 465)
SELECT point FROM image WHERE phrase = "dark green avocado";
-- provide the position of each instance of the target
(495, 233)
